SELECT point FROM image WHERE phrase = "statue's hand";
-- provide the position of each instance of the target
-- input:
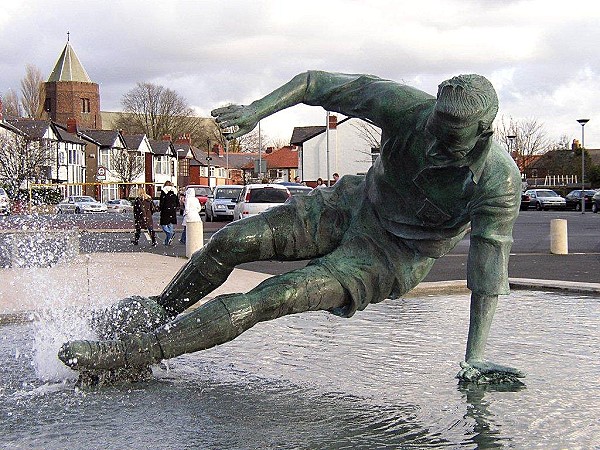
(134, 314)
(482, 372)
(239, 119)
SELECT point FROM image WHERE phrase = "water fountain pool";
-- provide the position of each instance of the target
(384, 378)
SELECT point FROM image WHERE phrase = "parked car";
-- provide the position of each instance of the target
(119, 205)
(525, 201)
(573, 199)
(79, 204)
(596, 202)
(202, 193)
(221, 203)
(4, 202)
(257, 198)
(545, 199)
(299, 189)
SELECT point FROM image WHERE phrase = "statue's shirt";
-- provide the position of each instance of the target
(429, 201)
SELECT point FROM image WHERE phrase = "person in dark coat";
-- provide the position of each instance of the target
(168, 204)
(143, 207)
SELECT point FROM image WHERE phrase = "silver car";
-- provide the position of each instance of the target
(545, 199)
(4, 202)
(80, 204)
(119, 205)
(257, 198)
(221, 203)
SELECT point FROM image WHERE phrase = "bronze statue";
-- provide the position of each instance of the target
(369, 238)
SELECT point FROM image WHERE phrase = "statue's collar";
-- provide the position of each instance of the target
(475, 160)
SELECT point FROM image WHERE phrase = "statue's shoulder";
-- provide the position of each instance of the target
(500, 167)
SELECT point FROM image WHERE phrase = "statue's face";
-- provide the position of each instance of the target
(452, 141)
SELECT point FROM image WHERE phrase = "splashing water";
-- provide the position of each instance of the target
(56, 320)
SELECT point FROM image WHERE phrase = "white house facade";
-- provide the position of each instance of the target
(343, 149)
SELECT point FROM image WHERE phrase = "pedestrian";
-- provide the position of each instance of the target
(440, 176)
(191, 213)
(297, 179)
(143, 207)
(320, 184)
(168, 211)
(336, 177)
(181, 201)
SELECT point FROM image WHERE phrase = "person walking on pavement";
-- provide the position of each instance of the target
(168, 211)
(191, 212)
(143, 207)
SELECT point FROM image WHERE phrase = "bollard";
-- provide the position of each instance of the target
(194, 237)
(559, 242)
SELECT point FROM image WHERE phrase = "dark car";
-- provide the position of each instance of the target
(573, 199)
(525, 201)
(299, 190)
(596, 202)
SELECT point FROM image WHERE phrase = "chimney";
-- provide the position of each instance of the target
(184, 139)
(332, 122)
(71, 126)
(217, 149)
(166, 137)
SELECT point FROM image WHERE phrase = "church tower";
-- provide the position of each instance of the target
(71, 94)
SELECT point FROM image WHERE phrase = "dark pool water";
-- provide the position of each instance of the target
(383, 379)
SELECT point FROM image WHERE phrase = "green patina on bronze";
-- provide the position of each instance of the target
(369, 238)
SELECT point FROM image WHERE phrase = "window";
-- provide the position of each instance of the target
(184, 167)
(104, 158)
(85, 105)
(161, 165)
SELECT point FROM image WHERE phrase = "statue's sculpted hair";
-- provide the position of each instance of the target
(465, 98)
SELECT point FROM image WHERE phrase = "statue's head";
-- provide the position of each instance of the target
(465, 109)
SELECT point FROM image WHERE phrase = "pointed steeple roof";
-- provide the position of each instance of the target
(69, 68)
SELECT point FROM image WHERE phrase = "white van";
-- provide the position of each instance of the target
(257, 198)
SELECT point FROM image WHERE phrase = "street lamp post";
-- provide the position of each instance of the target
(511, 143)
(582, 122)
(208, 159)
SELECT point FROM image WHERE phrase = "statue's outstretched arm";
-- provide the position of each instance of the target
(476, 368)
(243, 118)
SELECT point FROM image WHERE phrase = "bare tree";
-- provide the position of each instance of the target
(369, 133)
(22, 159)
(525, 139)
(278, 142)
(158, 111)
(10, 104)
(126, 165)
(31, 91)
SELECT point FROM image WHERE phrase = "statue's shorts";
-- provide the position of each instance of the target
(339, 231)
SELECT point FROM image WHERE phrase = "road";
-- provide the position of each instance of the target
(530, 255)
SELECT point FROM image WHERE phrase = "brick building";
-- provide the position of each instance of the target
(69, 93)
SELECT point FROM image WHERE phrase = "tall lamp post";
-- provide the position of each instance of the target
(582, 122)
(511, 142)
(208, 159)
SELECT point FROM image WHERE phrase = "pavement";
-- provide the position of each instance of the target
(90, 278)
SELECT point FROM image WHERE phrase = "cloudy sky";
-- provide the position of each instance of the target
(542, 56)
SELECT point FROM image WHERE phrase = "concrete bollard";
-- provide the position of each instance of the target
(194, 237)
(559, 242)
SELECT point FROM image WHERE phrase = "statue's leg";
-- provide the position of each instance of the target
(300, 230)
(215, 322)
